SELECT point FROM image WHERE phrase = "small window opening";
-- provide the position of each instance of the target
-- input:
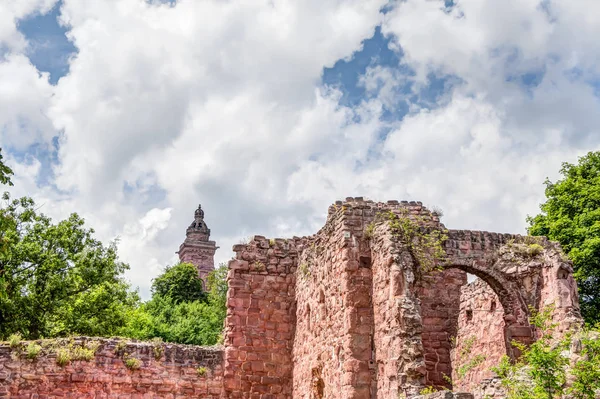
(562, 274)
(493, 306)
(469, 315)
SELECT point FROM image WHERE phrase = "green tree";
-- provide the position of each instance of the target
(196, 320)
(571, 216)
(217, 287)
(5, 172)
(180, 283)
(56, 279)
(546, 371)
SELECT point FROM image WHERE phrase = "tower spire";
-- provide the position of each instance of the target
(197, 248)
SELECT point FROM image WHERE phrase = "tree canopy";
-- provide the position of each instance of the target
(571, 216)
(179, 311)
(5, 172)
(56, 279)
(180, 283)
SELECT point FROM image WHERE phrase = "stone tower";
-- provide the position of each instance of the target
(197, 248)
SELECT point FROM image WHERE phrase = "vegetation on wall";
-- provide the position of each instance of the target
(425, 245)
(571, 216)
(544, 368)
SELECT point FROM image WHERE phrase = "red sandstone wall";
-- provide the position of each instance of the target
(332, 348)
(440, 306)
(260, 320)
(398, 325)
(173, 375)
(560, 290)
(390, 296)
(480, 340)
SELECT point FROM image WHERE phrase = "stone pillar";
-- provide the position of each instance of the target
(333, 348)
(259, 327)
(197, 248)
(401, 367)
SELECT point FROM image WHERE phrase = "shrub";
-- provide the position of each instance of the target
(157, 348)
(369, 230)
(427, 390)
(120, 347)
(63, 356)
(535, 249)
(14, 340)
(32, 351)
(85, 352)
(133, 363)
(202, 371)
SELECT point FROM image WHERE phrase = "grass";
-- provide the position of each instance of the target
(133, 363)
(14, 340)
(32, 351)
(63, 356)
(157, 348)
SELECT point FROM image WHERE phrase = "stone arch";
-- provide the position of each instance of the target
(515, 309)
(516, 312)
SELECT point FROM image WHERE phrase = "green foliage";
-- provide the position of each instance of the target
(586, 372)
(56, 279)
(201, 371)
(197, 322)
(85, 352)
(14, 340)
(133, 363)
(259, 266)
(63, 356)
(180, 283)
(157, 348)
(535, 249)
(424, 244)
(369, 230)
(427, 390)
(542, 371)
(304, 270)
(5, 172)
(32, 351)
(571, 216)
(470, 365)
(67, 351)
(121, 347)
(466, 361)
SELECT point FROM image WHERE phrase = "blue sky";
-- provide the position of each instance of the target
(50, 48)
(132, 112)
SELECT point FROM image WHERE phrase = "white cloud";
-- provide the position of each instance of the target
(221, 103)
(13, 10)
(211, 102)
(24, 98)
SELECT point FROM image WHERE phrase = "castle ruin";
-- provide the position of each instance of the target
(350, 313)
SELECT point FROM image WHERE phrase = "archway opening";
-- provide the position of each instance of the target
(467, 325)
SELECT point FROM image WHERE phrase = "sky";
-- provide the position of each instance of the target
(133, 112)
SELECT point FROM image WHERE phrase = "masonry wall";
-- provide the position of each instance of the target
(440, 294)
(559, 289)
(397, 334)
(333, 349)
(173, 375)
(259, 327)
(480, 342)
